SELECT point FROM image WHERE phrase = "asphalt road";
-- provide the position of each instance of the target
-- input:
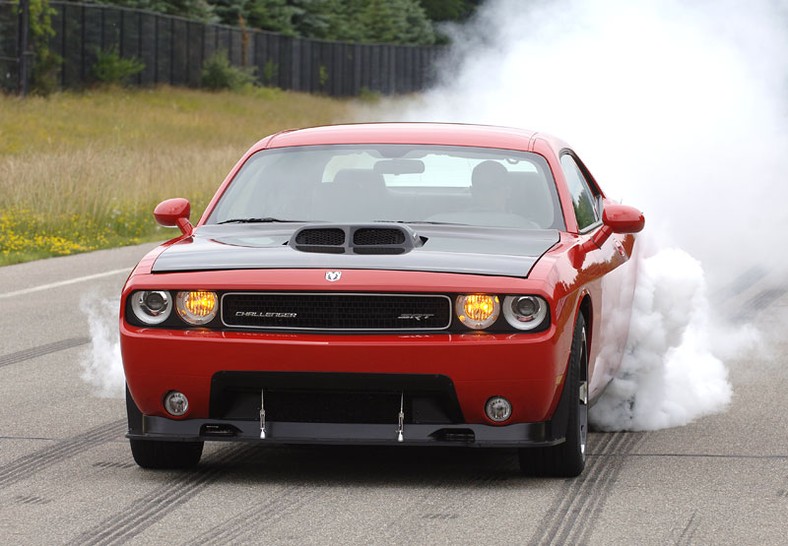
(67, 476)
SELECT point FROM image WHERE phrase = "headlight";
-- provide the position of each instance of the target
(197, 307)
(477, 311)
(151, 306)
(524, 312)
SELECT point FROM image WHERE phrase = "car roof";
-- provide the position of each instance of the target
(447, 134)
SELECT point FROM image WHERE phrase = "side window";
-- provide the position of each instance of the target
(583, 197)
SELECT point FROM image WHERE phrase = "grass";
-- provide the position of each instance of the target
(80, 172)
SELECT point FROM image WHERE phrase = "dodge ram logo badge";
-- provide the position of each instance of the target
(333, 276)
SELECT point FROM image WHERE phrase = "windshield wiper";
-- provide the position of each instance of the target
(421, 222)
(264, 220)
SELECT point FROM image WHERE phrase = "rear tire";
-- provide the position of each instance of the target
(165, 455)
(567, 459)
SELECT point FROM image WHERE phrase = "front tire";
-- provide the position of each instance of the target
(154, 454)
(158, 454)
(567, 459)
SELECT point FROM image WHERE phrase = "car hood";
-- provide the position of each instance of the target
(447, 249)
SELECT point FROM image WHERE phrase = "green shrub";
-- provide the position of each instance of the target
(322, 77)
(367, 95)
(270, 71)
(46, 63)
(112, 69)
(218, 73)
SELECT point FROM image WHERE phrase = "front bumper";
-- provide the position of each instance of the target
(453, 430)
(526, 369)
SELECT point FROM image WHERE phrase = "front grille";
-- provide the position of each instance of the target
(370, 236)
(336, 311)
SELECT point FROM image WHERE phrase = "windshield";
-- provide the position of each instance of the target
(394, 183)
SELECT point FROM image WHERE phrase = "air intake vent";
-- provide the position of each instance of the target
(320, 237)
(368, 237)
(363, 239)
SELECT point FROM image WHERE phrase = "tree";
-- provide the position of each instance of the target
(396, 21)
(312, 18)
(200, 10)
(448, 10)
(45, 61)
(272, 15)
(379, 21)
(344, 20)
(229, 12)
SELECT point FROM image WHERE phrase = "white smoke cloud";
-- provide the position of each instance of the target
(669, 376)
(679, 109)
(102, 367)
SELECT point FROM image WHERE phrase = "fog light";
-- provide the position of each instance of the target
(498, 409)
(176, 403)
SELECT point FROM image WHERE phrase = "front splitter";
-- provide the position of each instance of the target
(468, 435)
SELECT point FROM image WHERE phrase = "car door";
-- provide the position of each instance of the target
(608, 274)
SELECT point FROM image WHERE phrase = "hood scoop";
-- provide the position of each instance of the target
(379, 238)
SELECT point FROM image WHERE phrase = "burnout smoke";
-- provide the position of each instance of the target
(102, 367)
(678, 109)
(668, 375)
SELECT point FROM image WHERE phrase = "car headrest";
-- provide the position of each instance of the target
(531, 198)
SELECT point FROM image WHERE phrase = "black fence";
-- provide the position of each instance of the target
(9, 47)
(174, 49)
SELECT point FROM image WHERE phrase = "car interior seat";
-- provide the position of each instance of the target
(530, 198)
(354, 194)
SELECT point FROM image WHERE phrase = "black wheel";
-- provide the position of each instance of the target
(165, 455)
(567, 459)
(154, 454)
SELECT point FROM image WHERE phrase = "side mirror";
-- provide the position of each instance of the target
(615, 219)
(174, 212)
(622, 219)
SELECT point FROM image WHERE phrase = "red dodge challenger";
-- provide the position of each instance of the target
(389, 284)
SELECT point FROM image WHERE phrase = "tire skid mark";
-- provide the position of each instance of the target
(170, 496)
(571, 517)
(761, 301)
(41, 459)
(245, 527)
(594, 493)
(562, 505)
(599, 494)
(114, 465)
(743, 282)
(41, 350)
(688, 533)
(31, 499)
(456, 497)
